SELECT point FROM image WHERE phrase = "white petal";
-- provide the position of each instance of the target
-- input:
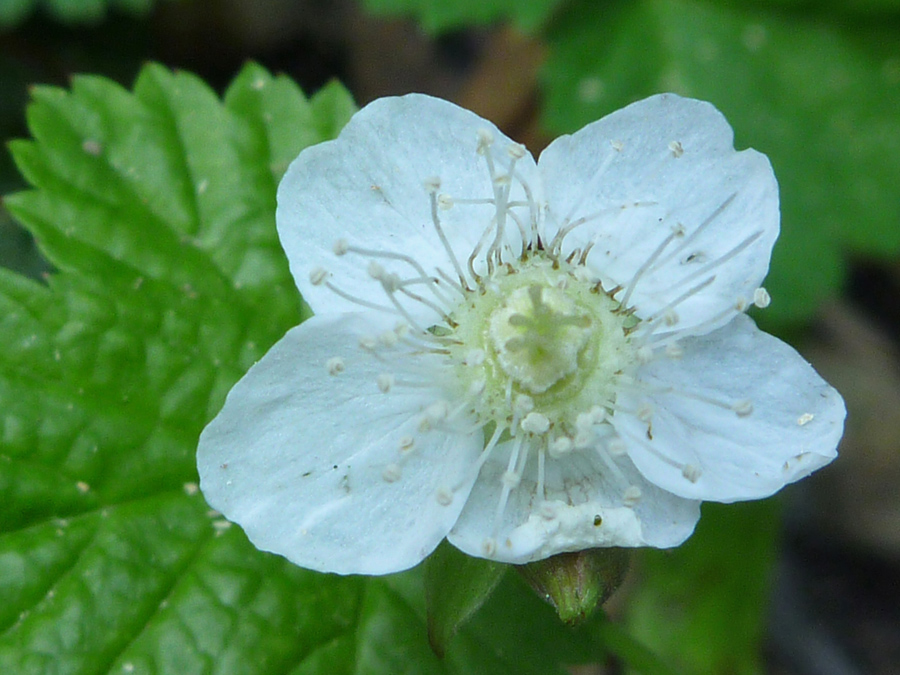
(701, 450)
(311, 466)
(651, 169)
(368, 187)
(584, 508)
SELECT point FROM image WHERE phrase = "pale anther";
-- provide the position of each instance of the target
(560, 446)
(631, 496)
(445, 201)
(436, 412)
(691, 472)
(674, 350)
(367, 342)
(598, 413)
(444, 496)
(510, 479)
(485, 140)
(743, 408)
(547, 511)
(489, 547)
(761, 298)
(388, 338)
(385, 382)
(391, 473)
(340, 247)
(645, 412)
(516, 150)
(805, 419)
(676, 148)
(618, 146)
(375, 270)
(616, 447)
(741, 304)
(535, 423)
(318, 275)
(670, 317)
(584, 421)
(433, 184)
(407, 443)
(475, 357)
(524, 404)
(335, 365)
(390, 282)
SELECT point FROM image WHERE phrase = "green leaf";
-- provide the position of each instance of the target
(456, 585)
(438, 15)
(818, 98)
(69, 11)
(156, 208)
(702, 606)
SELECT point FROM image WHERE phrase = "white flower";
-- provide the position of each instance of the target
(524, 358)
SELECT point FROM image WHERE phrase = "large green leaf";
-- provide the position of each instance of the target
(440, 15)
(819, 99)
(156, 208)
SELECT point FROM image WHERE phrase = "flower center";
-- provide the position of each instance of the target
(540, 336)
(537, 336)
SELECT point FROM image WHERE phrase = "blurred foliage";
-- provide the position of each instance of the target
(703, 605)
(13, 12)
(442, 15)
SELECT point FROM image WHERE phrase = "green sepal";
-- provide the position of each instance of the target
(577, 583)
(456, 586)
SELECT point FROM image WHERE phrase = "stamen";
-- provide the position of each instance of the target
(541, 490)
(510, 479)
(683, 244)
(590, 189)
(535, 423)
(317, 276)
(653, 318)
(743, 408)
(444, 496)
(335, 365)
(648, 263)
(412, 262)
(631, 496)
(385, 382)
(561, 446)
(691, 472)
(358, 301)
(483, 457)
(391, 473)
(761, 298)
(436, 222)
(644, 412)
(746, 243)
